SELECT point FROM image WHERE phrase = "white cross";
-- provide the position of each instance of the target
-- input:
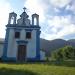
(24, 9)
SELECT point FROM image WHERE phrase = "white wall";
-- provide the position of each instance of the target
(31, 45)
(11, 52)
(1, 50)
(31, 48)
(22, 34)
(42, 55)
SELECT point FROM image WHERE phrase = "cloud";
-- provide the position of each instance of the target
(34, 7)
(55, 21)
(71, 7)
(4, 12)
(59, 26)
(59, 3)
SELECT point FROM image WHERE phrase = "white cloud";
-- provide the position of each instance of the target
(60, 21)
(60, 27)
(52, 27)
(69, 29)
(72, 7)
(34, 6)
(4, 12)
(59, 3)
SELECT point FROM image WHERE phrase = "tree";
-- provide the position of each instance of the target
(67, 52)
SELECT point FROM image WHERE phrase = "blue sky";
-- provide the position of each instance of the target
(57, 17)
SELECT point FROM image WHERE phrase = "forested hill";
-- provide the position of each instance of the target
(50, 45)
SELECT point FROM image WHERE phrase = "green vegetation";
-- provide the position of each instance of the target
(65, 53)
(35, 69)
(51, 67)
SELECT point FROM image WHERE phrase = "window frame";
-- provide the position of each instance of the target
(17, 35)
(28, 35)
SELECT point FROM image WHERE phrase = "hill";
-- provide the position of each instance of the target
(49, 45)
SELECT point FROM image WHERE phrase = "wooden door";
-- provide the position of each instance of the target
(21, 53)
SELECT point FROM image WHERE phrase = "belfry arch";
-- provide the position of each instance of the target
(12, 18)
(35, 19)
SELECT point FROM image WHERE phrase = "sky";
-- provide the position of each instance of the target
(57, 17)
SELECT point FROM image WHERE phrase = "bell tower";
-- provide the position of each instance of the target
(35, 19)
(12, 18)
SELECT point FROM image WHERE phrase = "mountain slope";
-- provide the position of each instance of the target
(49, 46)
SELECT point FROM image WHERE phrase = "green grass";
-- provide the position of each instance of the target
(35, 69)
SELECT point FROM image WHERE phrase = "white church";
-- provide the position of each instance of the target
(22, 40)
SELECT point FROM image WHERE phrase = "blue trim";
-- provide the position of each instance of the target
(23, 26)
(32, 59)
(4, 57)
(11, 24)
(28, 30)
(38, 45)
(17, 30)
(10, 59)
(22, 42)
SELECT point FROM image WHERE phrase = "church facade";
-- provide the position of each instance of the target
(22, 40)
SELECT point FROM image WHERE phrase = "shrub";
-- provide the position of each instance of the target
(67, 52)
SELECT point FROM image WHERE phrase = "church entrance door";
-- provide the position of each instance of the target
(21, 53)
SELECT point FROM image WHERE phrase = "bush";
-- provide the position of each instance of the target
(67, 52)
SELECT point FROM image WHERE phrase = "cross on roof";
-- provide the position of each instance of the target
(24, 9)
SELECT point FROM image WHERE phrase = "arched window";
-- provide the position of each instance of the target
(12, 20)
(35, 21)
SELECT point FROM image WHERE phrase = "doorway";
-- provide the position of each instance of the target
(21, 53)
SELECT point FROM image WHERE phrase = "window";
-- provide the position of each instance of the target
(12, 20)
(28, 35)
(17, 34)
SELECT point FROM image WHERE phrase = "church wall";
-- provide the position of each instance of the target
(14, 50)
(11, 45)
(22, 35)
(31, 48)
(42, 55)
(1, 49)
(31, 45)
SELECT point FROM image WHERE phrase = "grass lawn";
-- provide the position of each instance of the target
(35, 69)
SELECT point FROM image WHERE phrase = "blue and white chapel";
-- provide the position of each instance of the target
(22, 40)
